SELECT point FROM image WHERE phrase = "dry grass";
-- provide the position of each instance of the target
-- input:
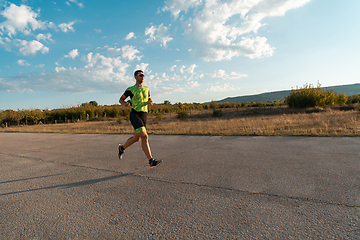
(267, 122)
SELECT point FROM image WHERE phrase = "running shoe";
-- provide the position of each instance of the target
(154, 163)
(121, 151)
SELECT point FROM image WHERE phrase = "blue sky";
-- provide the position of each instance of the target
(62, 53)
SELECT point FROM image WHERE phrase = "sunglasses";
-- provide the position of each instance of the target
(141, 75)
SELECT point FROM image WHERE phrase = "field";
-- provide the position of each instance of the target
(267, 121)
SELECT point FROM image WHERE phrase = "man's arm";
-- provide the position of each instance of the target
(150, 102)
(122, 101)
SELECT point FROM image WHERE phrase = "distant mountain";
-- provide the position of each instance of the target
(352, 89)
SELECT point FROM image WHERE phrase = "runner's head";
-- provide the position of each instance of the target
(139, 77)
(138, 72)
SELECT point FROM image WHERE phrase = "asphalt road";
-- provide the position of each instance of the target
(73, 186)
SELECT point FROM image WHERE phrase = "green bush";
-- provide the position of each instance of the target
(341, 99)
(217, 113)
(327, 98)
(213, 105)
(182, 115)
(82, 114)
(112, 112)
(90, 113)
(304, 97)
(244, 104)
(99, 112)
(353, 99)
(158, 117)
(309, 96)
(125, 112)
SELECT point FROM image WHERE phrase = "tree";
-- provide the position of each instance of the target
(94, 103)
(213, 105)
(36, 115)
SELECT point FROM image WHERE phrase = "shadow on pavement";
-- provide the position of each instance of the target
(70, 185)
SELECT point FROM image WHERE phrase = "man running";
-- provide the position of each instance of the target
(140, 98)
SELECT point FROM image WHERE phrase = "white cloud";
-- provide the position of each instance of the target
(127, 52)
(173, 68)
(100, 73)
(109, 74)
(220, 88)
(193, 84)
(20, 18)
(130, 36)
(6, 43)
(191, 69)
(23, 62)
(66, 27)
(97, 30)
(182, 68)
(158, 34)
(76, 2)
(222, 74)
(52, 25)
(31, 47)
(59, 69)
(113, 51)
(72, 54)
(142, 66)
(69, 80)
(110, 65)
(44, 37)
(176, 6)
(166, 90)
(219, 35)
(178, 79)
(130, 52)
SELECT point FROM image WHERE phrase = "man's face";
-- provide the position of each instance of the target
(139, 77)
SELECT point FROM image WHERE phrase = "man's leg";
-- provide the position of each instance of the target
(131, 140)
(146, 148)
(128, 143)
(145, 144)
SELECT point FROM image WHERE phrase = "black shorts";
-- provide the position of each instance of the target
(138, 120)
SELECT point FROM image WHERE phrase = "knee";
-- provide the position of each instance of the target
(144, 137)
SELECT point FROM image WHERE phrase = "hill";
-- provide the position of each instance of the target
(352, 89)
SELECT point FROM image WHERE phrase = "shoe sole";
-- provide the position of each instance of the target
(119, 155)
